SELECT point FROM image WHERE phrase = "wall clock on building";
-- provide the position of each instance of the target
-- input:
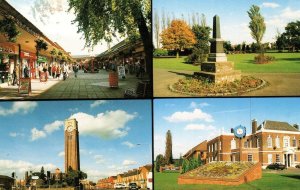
(70, 128)
(239, 131)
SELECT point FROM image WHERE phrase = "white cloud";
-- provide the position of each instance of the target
(37, 134)
(99, 159)
(61, 154)
(15, 134)
(129, 162)
(108, 125)
(197, 114)
(129, 144)
(49, 128)
(199, 127)
(19, 107)
(194, 105)
(98, 103)
(19, 166)
(270, 5)
(288, 13)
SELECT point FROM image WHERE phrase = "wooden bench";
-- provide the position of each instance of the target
(142, 90)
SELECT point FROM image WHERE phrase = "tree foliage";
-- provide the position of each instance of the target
(177, 36)
(257, 24)
(9, 28)
(73, 176)
(101, 20)
(40, 45)
(289, 39)
(190, 164)
(159, 161)
(168, 151)
(201, 47)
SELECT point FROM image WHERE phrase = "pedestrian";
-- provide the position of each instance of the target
(76, 68)
(58, 70)
(53, 71)
(14, 76)
(26, 72)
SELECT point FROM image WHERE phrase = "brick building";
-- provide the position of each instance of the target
(270, 142)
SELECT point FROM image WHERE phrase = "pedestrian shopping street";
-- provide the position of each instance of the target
(85, 86)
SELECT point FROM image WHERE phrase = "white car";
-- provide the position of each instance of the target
(119, 186)
(149, 181)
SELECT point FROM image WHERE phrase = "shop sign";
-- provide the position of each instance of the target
(121, 71)
(28, 55)
(25, 86)
(7, 48)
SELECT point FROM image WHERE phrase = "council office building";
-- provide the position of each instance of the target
(270, 142)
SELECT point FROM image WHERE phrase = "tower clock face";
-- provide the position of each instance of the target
(70, 128)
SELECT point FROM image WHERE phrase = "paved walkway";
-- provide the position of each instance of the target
(85, 86)
(280, 84)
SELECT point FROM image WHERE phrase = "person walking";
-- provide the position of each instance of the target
(53, 71)
(76, 68)
(26, 72)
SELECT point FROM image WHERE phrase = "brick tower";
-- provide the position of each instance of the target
(71, 145)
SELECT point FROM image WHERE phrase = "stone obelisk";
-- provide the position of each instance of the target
(217, 69)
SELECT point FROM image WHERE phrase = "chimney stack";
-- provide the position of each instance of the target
(296, 126)
(254, 126)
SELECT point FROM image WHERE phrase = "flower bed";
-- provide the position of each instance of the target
(201, 87)
(223, 173)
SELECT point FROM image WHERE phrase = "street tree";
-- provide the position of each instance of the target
(168, 150)
(257, 25)
(53, 53)
(73, 176)
(100, 20)
(177, 37)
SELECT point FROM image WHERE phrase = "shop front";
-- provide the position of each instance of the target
(28, 59)
(8, 59)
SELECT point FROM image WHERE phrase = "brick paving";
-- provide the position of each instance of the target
(85, 86)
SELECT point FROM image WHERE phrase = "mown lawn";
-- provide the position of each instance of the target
(284, 63)
(269, 181)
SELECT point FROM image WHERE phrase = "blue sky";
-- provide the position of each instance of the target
(54, 20)
(233, 15)
(32, 135)
(193, 120)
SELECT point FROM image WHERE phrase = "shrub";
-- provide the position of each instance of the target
(160, 52)
(263, 59)
(190, 164)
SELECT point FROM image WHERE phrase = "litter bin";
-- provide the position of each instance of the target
(113, 80)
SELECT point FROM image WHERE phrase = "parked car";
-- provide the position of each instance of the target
(149, 181)
(276, 166)
(133, 186)
(119, 186)
(298, 166)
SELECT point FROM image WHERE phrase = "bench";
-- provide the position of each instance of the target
(142, 90)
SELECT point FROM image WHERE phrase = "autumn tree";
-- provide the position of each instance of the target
(177, 37)
(257, 25)
(101, 20)
(168, 151)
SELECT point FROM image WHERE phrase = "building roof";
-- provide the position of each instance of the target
(276, 125)
(199, 147)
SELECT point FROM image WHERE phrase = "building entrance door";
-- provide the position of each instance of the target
(287, 160)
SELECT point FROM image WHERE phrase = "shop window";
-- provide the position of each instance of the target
(277, 158)
(250, 158)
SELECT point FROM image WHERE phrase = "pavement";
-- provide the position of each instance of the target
(279, 84)
(85, 86)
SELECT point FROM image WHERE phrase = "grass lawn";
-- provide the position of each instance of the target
(269, 181)
(284, 63)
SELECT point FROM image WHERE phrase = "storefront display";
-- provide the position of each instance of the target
(29, 59)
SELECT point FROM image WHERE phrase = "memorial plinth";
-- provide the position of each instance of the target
(217, 69)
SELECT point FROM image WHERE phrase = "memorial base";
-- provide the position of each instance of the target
(219, 72)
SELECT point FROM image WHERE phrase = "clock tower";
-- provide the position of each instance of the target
(71, 145)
